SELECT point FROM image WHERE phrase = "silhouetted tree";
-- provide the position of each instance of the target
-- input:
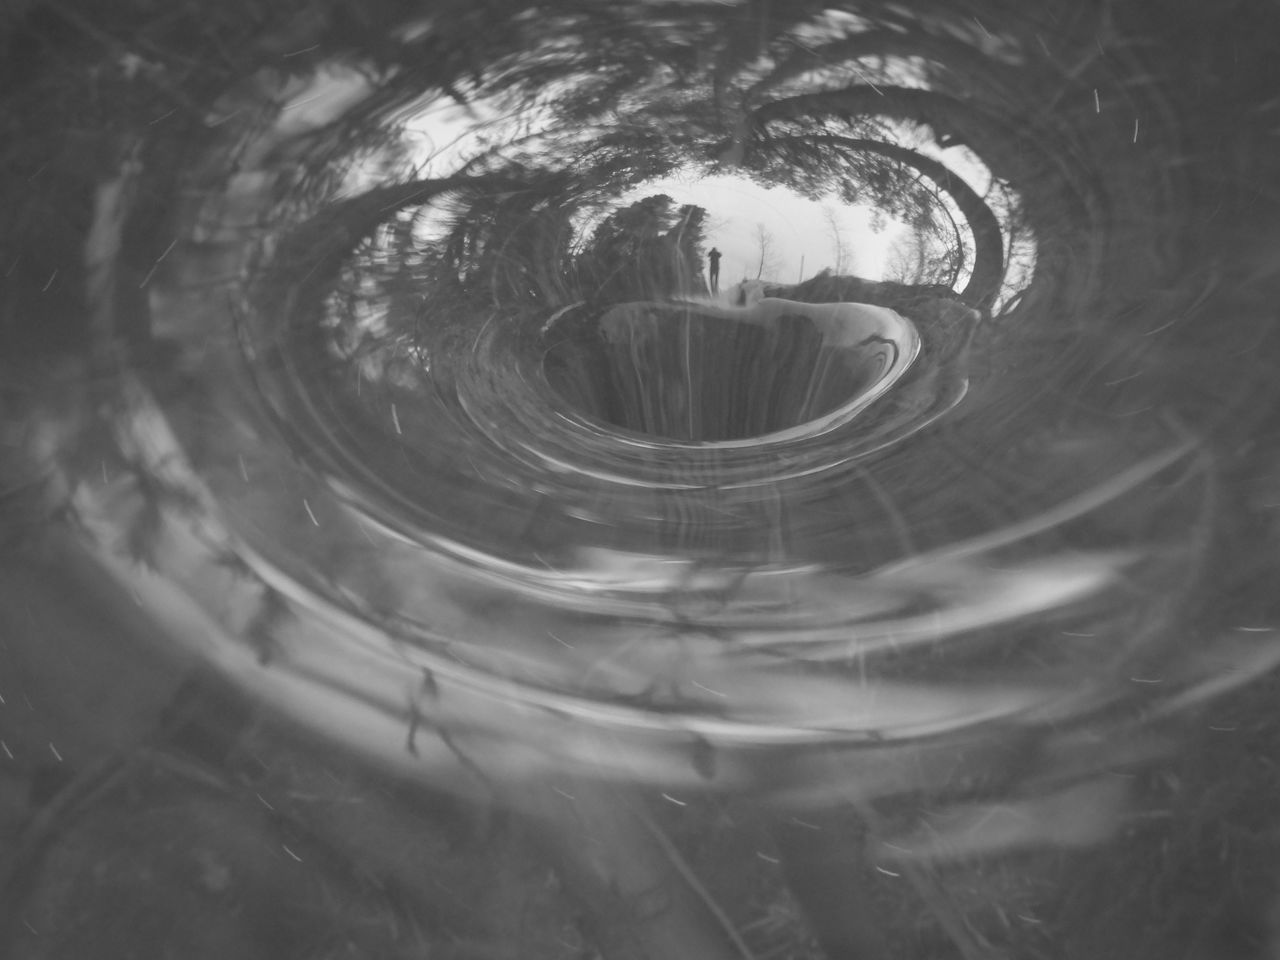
(687, 238)
(646, 249)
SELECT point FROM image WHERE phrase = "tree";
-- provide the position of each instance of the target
(768, 254)
(838, 245)
(644, 250)
(687, 239)
(902, 191)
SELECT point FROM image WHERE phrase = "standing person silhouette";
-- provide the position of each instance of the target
(714, 258)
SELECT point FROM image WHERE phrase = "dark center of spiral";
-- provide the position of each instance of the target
(708, 373)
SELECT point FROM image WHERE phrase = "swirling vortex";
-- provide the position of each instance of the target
(457, 572)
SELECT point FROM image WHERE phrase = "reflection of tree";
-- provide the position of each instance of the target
(647, 249)
(766, 250)
(437, 271)
(923, 258)
(839, 247)
(512, 248)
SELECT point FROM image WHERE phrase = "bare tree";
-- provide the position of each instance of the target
(768, 251)
(838, 244)
(925, 257)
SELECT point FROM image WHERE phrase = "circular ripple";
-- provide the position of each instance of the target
(457, 457)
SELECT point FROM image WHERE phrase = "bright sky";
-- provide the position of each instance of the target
(802, 240)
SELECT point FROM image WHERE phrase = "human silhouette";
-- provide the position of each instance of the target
(714, 258)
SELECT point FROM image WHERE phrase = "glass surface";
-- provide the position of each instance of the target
(639, 480)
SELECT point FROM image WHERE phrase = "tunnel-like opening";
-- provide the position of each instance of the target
(696, 372)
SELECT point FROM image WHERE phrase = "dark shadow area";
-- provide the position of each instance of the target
(675, 372)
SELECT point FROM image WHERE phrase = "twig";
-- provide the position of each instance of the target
(965, 940)
(686, 873)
